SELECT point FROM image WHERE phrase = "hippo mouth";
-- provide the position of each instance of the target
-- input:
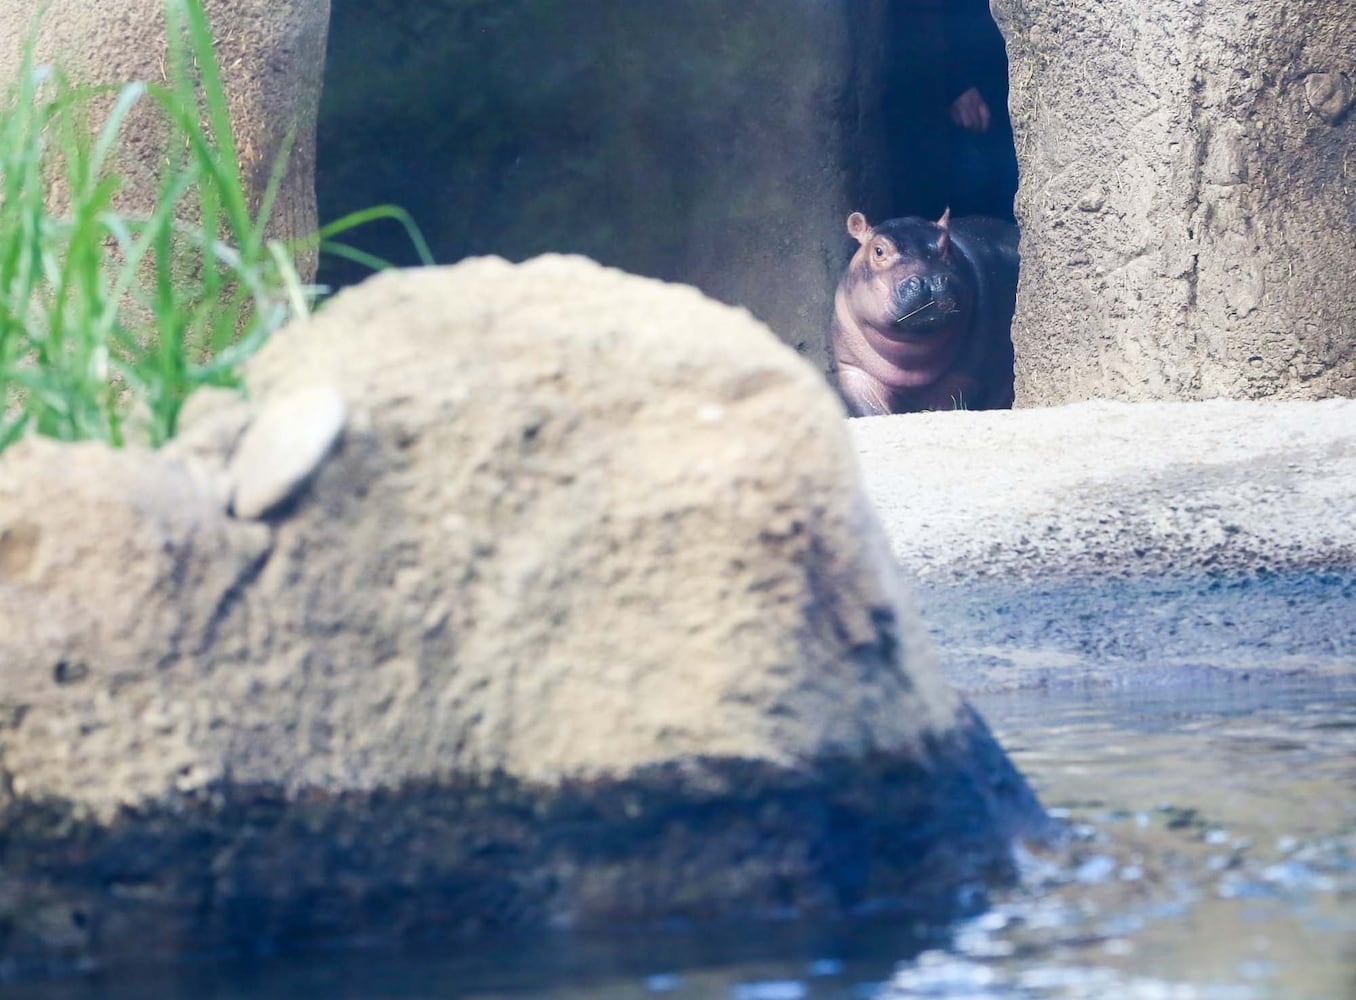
(922, 316)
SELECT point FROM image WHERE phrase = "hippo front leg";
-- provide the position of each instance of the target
(864, 395)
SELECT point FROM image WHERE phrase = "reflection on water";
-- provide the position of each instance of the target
(1214, 850)
(1211, 856)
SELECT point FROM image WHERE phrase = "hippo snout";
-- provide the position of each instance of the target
(920, 299)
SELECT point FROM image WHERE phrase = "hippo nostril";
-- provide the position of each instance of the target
(912, 291)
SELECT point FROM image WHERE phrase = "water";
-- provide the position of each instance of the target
(1211, 856)
(1174, 629)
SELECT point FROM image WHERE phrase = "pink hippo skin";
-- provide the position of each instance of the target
(923, 314)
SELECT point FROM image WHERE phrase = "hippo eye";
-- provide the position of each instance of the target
(879, 251)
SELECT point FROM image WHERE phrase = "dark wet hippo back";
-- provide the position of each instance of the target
(923, 313)
(990, 246)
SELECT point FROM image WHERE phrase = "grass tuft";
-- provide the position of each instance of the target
(105, 315)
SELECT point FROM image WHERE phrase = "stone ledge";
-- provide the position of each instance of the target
(1125, 543)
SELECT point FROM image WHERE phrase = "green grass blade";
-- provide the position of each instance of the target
(100, 310)
(361, 257)
(367, 215)
(214, 139)
(275, 179)
(298, 296)
(128, 96)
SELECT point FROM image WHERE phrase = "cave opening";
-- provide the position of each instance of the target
(944, 111)
(720, 145)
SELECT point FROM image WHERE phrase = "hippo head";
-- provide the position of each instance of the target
(906, 280)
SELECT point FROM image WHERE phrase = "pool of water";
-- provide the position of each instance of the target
(1211, 855)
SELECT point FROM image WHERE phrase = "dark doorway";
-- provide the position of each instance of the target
(945, 110)
(702, 141)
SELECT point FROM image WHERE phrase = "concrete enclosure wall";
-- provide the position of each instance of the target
(1188, 198)
(1188, 194)
(696, 141)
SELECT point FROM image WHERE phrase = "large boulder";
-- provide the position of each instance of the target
(513, 594)
(1185, 201)
(272, 58)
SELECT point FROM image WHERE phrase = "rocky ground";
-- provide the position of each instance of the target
(1125, 543)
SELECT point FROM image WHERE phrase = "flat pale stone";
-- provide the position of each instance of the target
(283, 447)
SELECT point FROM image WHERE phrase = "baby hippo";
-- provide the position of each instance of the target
(923, 315)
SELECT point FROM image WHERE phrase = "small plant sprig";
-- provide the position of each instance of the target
(103, 314)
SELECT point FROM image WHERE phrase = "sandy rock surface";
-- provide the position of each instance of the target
(1125, 543)
(1116, 488)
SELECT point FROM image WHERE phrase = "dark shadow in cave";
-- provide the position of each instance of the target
(497, 139)
(939, 49)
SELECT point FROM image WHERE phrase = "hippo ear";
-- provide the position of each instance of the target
(944, 224)
(858, 228)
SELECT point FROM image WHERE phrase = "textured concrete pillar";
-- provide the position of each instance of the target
(1188, 198)
(271, 53)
